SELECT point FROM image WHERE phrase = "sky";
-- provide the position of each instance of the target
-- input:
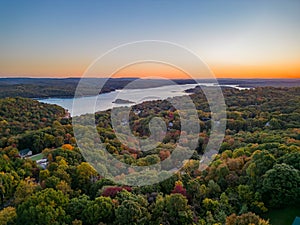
(235, 38)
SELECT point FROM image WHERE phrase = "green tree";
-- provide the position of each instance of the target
(84, 176)
(52, 182)
(172, 209)
(281, 185)
(24, 190)
(292, 159)
(8, 216)
(99, 210)
(245, 219)
(44, 174)
(131, 213)
(46, 207)
(7, 185)
(77, 205)
(261, 162)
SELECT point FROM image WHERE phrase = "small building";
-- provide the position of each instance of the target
(137, 111)
(25, 153)
(44, 165)
(41, 161)
(67, 114)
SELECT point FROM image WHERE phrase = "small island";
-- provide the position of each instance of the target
(122, 101)
(193, 90)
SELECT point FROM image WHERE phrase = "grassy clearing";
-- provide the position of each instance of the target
(36, 157)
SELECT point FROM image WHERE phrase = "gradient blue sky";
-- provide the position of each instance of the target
(240, 38)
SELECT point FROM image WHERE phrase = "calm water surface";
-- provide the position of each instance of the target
(105, 101)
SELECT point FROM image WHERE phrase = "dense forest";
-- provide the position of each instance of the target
(255, 175)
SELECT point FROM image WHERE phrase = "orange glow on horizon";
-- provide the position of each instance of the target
(264, 71)
(279, 71)
(220, 71)
(151, 69)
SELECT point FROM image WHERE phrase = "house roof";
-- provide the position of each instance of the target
(24, 151)
(296, 221)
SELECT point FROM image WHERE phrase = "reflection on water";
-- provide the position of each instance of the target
(105, 101)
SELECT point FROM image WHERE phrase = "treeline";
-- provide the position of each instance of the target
(18, 115)
(66, 87)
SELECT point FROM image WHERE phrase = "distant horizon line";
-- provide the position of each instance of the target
(232, 78)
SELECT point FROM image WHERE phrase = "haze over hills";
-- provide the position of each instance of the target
(66, 87)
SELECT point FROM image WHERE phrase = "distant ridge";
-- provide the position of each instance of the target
(66, 87)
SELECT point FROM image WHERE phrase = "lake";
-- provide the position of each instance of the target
(105, 101)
